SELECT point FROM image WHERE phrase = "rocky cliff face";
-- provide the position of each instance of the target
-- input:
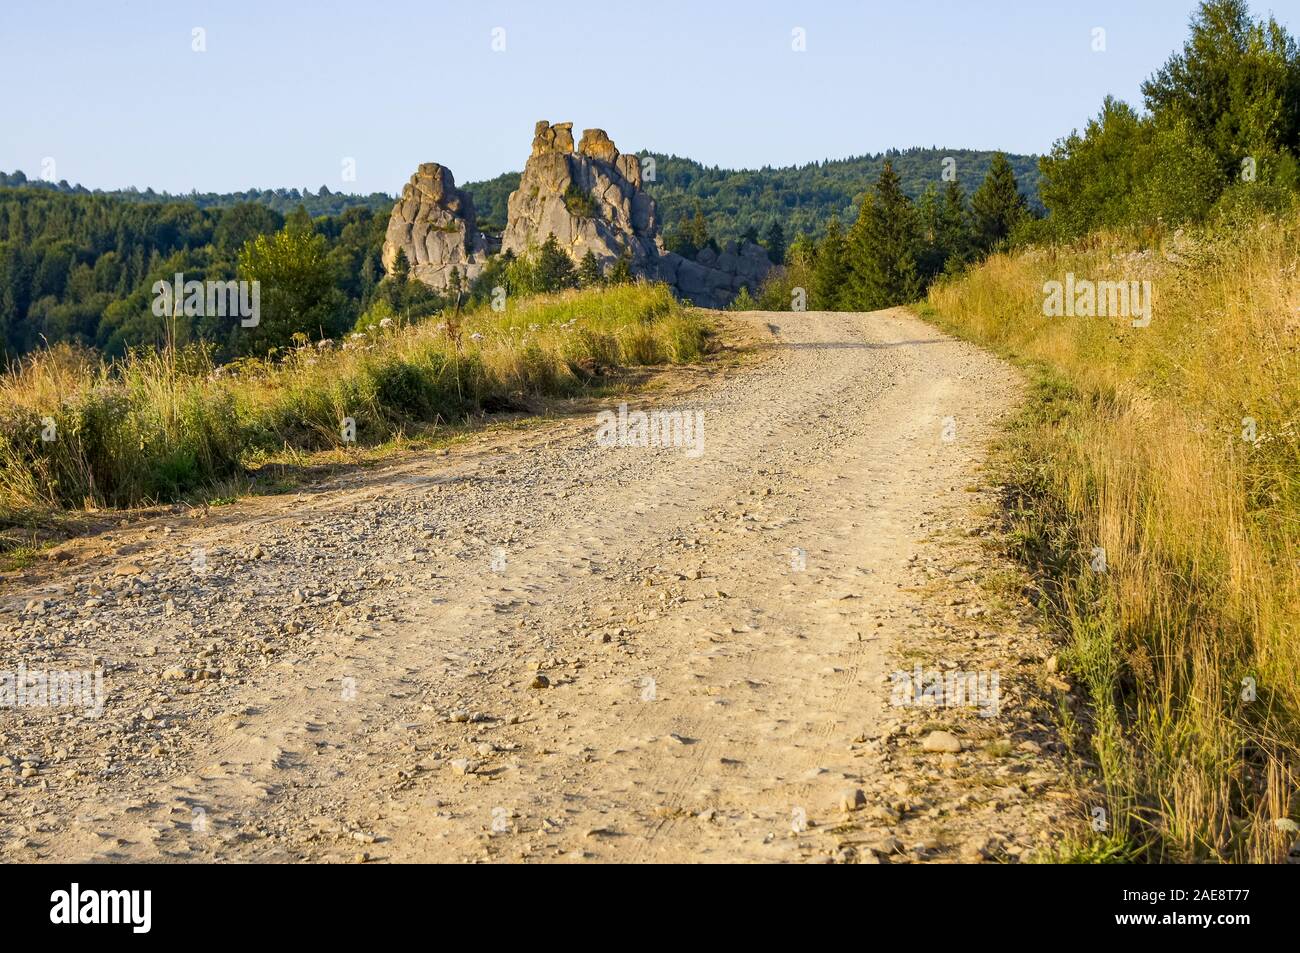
(713, 280)
(434, 223)
(590, 199)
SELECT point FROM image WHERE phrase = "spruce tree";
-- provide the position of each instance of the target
(932, 255)
(698, 234)
(884, 247)
(997, 204)
(401, 267)
(589, 273)
(678, 239)
(830, 269)
(621, 273)
(954, 229)
(554, 267)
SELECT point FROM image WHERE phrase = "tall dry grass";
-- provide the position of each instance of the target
(1175, 449)
(158, 425)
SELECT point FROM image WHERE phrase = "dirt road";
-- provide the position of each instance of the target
(540, 648)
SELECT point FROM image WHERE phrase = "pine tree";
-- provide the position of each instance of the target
(678, 240)
(554, 267)
(698, 233)
(299, 221)
(401, 267)
(830, 269)
(997, 204)
(775, 242)
(884, 246)
(589, 273)
(931, 259)
(621, 273)
(954, 229)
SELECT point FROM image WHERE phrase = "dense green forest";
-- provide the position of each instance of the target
(737, 202)
(78, 265)
(284, 201)
(80, 268)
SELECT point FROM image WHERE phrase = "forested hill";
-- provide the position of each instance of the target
(734, 201)
(77, 265)
(317, 203)
(801, 198)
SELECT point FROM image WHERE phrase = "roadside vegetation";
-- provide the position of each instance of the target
(1156, 488)
(78, 431)
(1155, 474)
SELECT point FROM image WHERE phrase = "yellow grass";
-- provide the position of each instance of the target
(1140, 442)
(158, 425)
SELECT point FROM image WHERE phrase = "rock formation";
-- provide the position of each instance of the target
(712, 280)
(434, 224)
(591, 201)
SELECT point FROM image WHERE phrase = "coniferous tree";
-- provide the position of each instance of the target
(884, 247)
(698, 233)
(589, 273)
(997, 205)
(554, 267)
(775, 242)
(930, 261)
(401, 267)
(621, 273)
(678, 240)
(830, 270)
(954, 229)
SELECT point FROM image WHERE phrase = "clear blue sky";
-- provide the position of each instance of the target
(112, 90)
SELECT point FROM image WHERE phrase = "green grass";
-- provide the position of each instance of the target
(162, 426)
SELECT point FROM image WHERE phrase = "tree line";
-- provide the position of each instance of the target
(1218, 134)
(1219, 139)
(895, 247)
